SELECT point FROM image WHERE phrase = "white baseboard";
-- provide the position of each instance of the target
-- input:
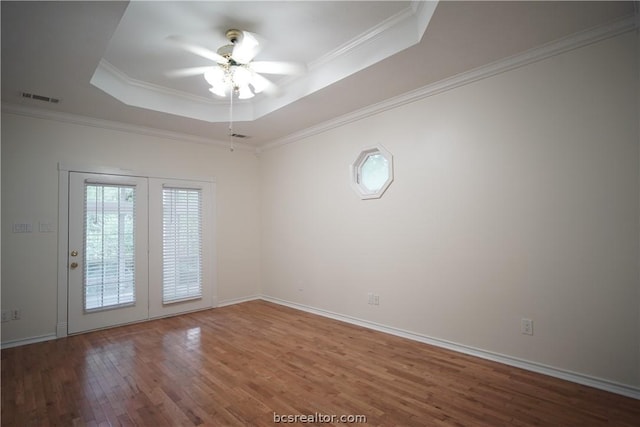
(599, 383)
(32, 340)
(61, 327)
(232, 301)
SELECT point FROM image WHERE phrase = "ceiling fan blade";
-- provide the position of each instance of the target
(278, 67)
(198, 50)
(187, 72)
(262, 84)
(246, 48)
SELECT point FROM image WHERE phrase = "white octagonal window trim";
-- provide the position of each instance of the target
(372, 172)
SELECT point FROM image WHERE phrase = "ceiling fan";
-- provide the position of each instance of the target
(235, 71)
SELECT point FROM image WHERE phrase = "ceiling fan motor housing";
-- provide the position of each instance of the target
(226, 51)
(233, 35)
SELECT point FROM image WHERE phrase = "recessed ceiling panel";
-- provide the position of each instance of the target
(332, 40)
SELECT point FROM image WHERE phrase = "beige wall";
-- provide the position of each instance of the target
(515, 196)
(31, 150)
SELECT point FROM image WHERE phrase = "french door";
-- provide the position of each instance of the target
(108, 271)
(139, 248)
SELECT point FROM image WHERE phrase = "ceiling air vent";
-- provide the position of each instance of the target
(40, 97)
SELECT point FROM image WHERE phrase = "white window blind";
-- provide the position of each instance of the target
(181, 244)
(109, 246)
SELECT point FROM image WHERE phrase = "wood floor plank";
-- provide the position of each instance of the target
(248, 364)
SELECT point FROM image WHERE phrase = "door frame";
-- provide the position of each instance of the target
(64, 169)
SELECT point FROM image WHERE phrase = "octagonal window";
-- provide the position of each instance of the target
(372, 172)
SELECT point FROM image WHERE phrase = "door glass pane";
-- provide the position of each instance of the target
(181, 244)
(109, 246)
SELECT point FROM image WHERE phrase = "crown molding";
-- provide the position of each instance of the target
(129, 81)
(365, 37)
(137, 93)
(75, 119)
(424, 12)
(394, 34)
(575, 41)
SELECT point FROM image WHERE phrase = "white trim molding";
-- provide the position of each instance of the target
(63, 245)
(61, 326)
(558, 47)
(26, 341)
(396, 33)
(599, 383)
(239, 300)
(356, 172)
(141, 94)
(75, 119)
(575, 41)
(110, 170)
(64, 169)
(587, 380)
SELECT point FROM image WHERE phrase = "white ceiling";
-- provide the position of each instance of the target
(139, 54)
(106, 60)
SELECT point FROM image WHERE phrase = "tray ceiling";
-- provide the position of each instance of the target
(106, 60)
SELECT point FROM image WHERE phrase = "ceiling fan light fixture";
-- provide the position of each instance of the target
(218, 90)
(241, 76)
(258, 82)
(215, 76)
(235, 72)
(244, 92)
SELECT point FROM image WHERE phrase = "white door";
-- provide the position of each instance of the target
(139, 248)
(107, 259)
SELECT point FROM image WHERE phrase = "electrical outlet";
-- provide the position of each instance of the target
(376, 300)
(370, 298)
(526, 326)
(6, 316)
(15, 314)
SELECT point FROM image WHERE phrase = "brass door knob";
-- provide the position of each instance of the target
(74, 265)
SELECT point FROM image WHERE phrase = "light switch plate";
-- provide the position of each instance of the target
(22, 227)
(45, 227)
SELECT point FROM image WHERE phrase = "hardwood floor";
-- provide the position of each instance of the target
(255, 363)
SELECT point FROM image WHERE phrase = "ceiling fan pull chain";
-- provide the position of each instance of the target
(231, 121)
